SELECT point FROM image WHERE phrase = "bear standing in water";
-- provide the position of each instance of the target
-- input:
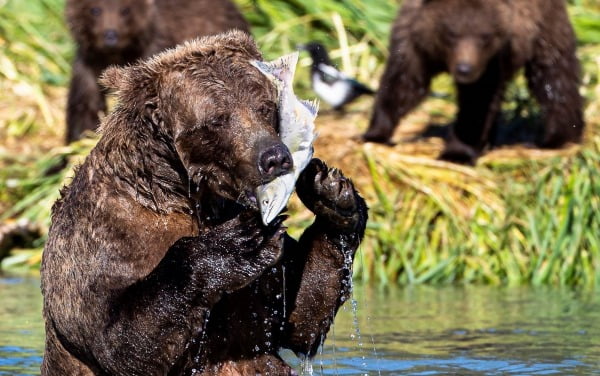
(482, 44)
(117, 32)
(157, 262)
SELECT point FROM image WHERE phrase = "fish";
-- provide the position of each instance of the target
(296, 130)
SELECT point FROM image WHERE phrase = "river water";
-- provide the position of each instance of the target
(398, 331)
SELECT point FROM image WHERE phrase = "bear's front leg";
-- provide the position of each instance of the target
(170, 306)
(319, 271)
(84, 103)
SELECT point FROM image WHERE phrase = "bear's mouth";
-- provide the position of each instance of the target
(216, 207)
(247, 199)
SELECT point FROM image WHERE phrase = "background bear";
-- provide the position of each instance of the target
(157, 261)
(482, 44)
(109, 32)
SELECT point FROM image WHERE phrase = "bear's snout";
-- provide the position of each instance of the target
(274, 161)
(111, 37)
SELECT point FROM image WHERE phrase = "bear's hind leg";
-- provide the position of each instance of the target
(553, 79)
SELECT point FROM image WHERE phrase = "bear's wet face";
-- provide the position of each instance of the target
(228, 149)
(109, 25)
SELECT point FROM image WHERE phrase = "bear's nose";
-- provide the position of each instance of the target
(275, 161)
(111, 37)
(464, 69)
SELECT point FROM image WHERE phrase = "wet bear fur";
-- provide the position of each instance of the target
(109, 32)
(482, 44)
(157, 261)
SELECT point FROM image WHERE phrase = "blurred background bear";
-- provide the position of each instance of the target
(117, 32)
(482, 44)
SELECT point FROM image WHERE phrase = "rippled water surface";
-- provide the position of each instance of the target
(401, 331)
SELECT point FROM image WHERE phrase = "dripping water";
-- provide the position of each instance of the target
(283, 282)
(357, 334)
(369, 326)
(333, 344)
(203, 339)
(306, 366)
(354, 305)
(189, 185)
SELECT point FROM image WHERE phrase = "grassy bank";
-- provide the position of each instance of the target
(520, 216)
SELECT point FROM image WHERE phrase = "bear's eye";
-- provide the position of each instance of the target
(218, 121)
(267, 111)
(95, 11)
(486, 38)
(125, 11)
(451, 36)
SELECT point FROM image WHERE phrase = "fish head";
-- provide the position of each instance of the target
(273, 197)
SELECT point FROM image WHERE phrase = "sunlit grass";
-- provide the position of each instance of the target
(521, 216)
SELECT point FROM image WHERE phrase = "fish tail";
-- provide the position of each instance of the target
(282, 68)
(311, 105)
(267, 69)
(287, 66)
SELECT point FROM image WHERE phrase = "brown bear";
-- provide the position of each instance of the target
(112, 32)
(157, 261)
(482, 44)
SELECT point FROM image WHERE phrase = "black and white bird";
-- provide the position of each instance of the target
(331, 85)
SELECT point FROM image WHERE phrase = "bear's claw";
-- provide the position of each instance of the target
(330, 195)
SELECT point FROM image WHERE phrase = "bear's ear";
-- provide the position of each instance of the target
(114, 78)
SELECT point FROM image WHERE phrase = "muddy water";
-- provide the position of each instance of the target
(399, 331)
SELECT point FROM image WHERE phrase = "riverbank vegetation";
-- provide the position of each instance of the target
(521, 216)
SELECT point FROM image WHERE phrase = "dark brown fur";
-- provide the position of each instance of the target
(157, 262)
(119, 32)
(482, 44)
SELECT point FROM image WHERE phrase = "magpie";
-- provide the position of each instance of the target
(331, 85)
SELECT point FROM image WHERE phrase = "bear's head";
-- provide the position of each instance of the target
(109, 25)
(209, 107)
(465, 34)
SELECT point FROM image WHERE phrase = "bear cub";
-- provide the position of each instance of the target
(482, 44)
(118, 32)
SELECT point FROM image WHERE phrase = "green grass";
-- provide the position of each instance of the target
(504, 222)
(514, 220)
